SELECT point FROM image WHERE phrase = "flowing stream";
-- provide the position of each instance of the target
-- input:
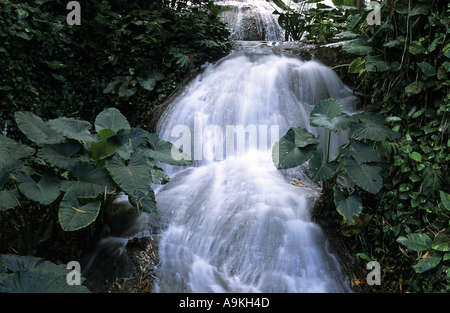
(233, 222)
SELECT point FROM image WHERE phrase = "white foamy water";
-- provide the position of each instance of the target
(238, 225)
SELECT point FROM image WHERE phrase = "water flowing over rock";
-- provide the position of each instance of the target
(233, 222)
(251, 20)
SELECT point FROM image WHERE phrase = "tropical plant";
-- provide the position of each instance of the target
(27, 274)
(131, 54)
(359, 164)
(403, 64)
(79, 173)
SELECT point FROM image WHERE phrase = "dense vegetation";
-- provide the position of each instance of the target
(125, 54)
(131, 54)
(402, 66)
(75, 101)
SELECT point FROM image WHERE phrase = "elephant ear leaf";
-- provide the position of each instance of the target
(294, 148)
(72, 216)
(329, 114)
(36, 130)
(347, 207)
(45, 191)
(74, 129)
(111, 118)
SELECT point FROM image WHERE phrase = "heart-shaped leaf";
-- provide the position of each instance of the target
(329, 114)
(111, 118)
(371, 126)
(36, 130)
(134, 177)
(294, 148)
(45, 191)
(366, 175)
(347, 207)
(72, 216)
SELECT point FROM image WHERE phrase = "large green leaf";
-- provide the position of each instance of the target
(72, 216)
(416, 242)
(15, 263)
(60, 155)
(91, 181)
(128, 140)
(362, 152)
(319, 171)
(430, 262)
(366, 175)
(36, 130)
(441, 244)
(134, 177)
(371, 126)
(11, 149)
(427, 68)
(445, 199)
(357, 65)
(38, 281)
(357, 46)
(73, 129)
(347, 207)
(148, 83)
(45, 191)
(294, 148)
(9, 199)
(377, 64)
(161, 150)
(103, 148)
(111, 118)
(146, 204)
(329, 114)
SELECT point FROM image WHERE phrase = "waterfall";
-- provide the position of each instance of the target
(233, 222)
(251, 20)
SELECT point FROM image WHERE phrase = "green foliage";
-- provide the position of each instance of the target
(359, 165)
(75, 173)
(130, 54)
(403, 64)
(27, 274)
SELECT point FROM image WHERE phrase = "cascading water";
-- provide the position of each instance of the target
(233, 222)
(251, 19)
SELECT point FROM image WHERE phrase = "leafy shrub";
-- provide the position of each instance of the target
(360, 164)
(129, 54)
(77, 173)
(403, 64)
